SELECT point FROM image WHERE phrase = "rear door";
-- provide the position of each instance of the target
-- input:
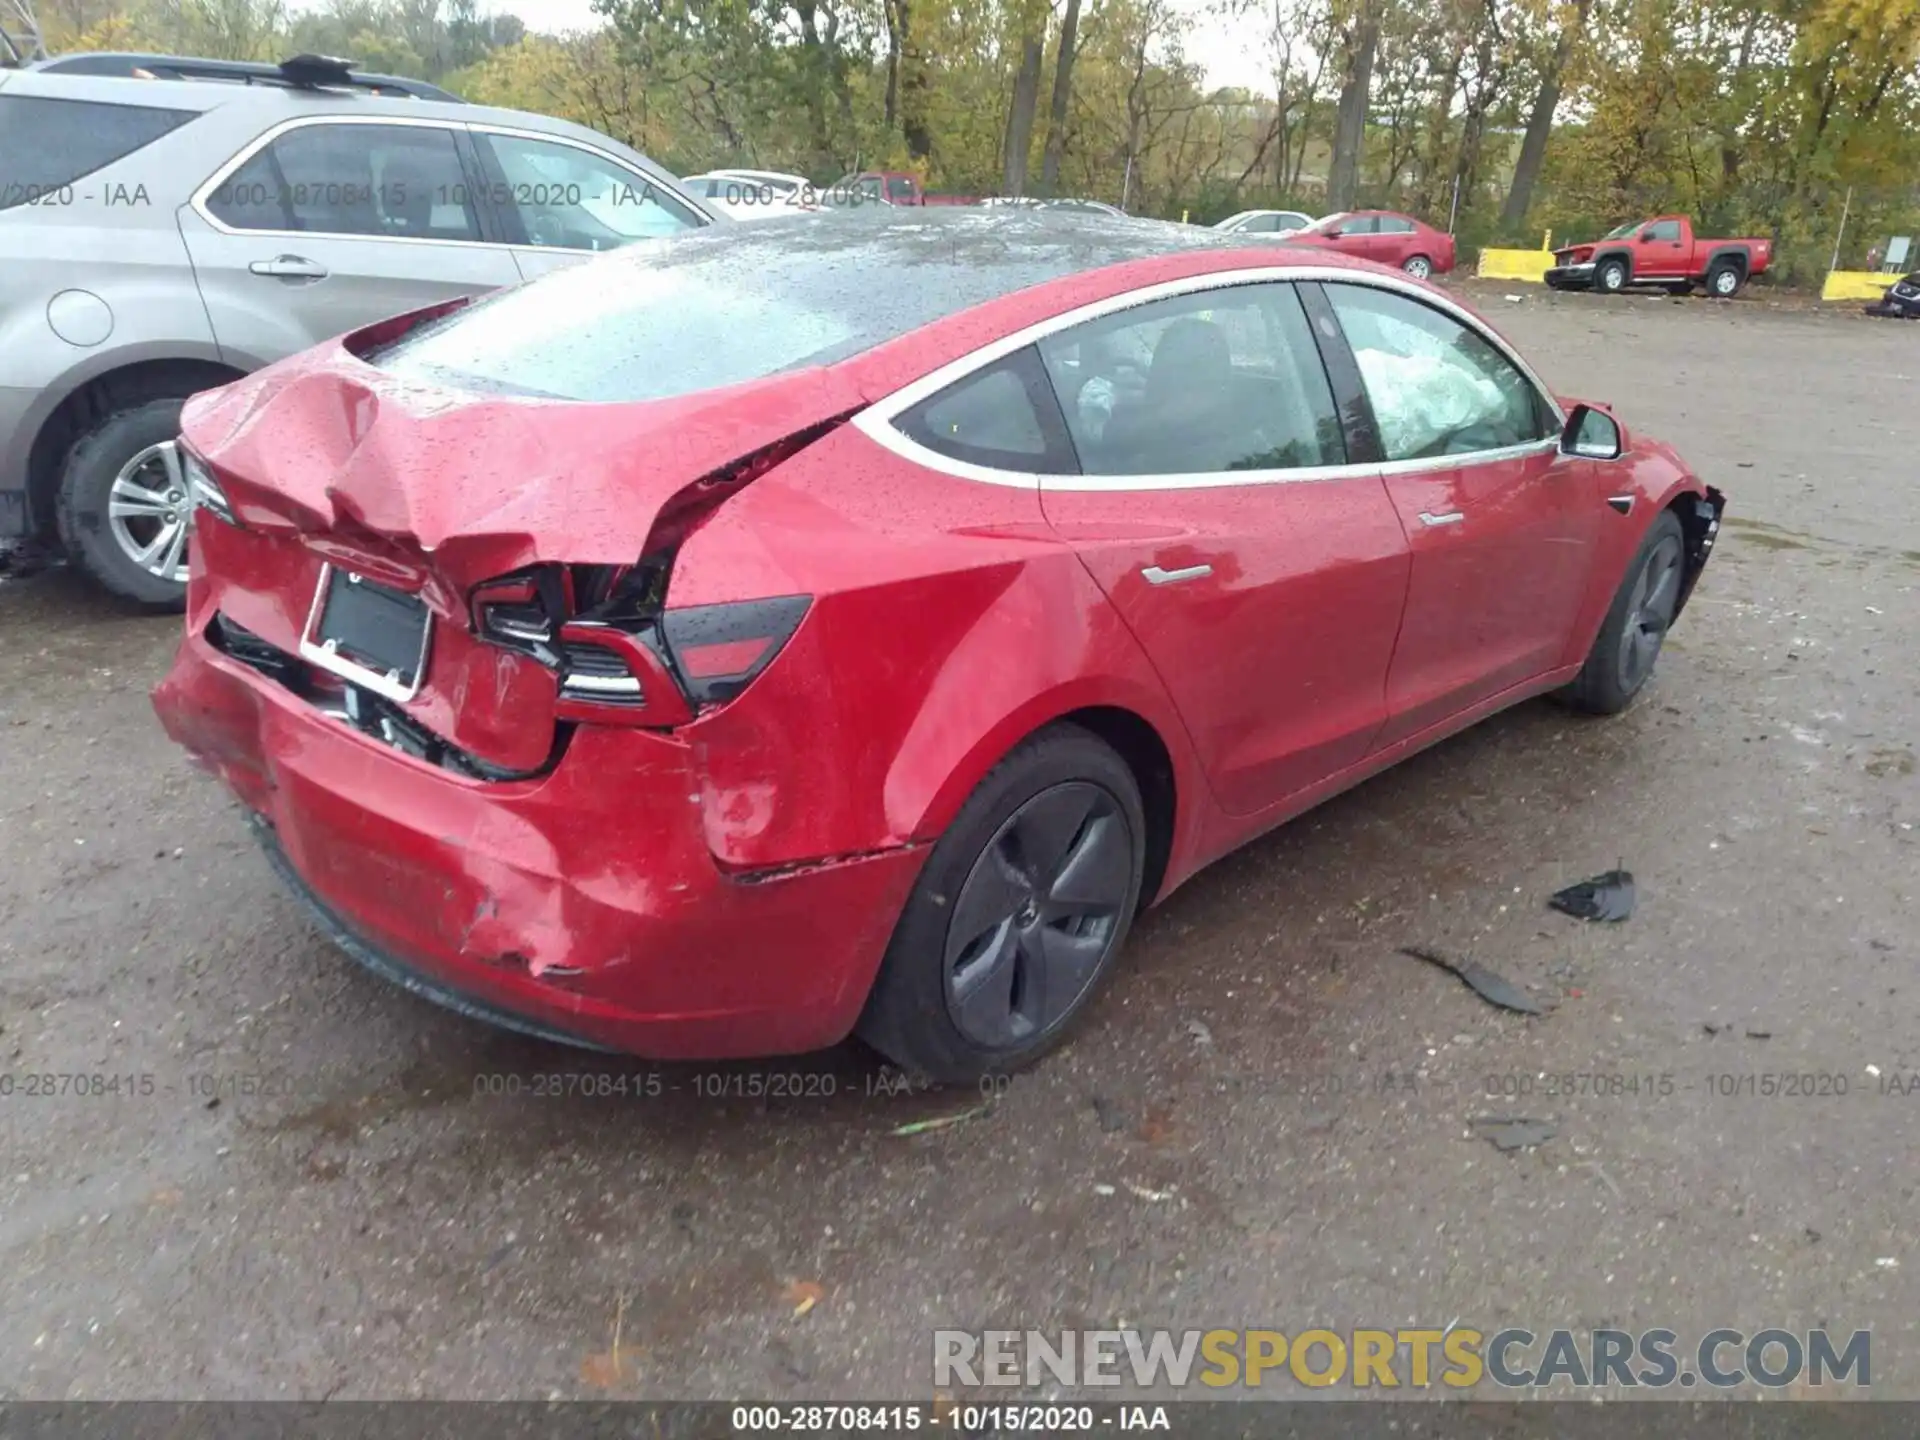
(1501, 525)
(1396, 240)
(326, 224)
(1263, 574)
(560, 201)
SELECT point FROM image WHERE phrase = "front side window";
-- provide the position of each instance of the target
(900, 189)
(390, 181)
(565, 198)
(1664, 230)
(1217, 381)
(1262, 225)
(1437, 387)
(46, 145)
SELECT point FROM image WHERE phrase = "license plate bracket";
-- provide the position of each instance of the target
(368, 633)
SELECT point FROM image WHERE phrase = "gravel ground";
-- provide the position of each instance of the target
(305, 1191)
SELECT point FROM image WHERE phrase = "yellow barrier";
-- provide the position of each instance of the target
(1515, 265)
(1856, 285)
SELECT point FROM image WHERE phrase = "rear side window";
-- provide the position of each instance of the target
(1394, 225)
(390, 181)
(565, 198)
(1002, 417)
(46, 145)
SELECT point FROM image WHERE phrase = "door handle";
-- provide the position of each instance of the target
(1452, 517)
(290, 267)
(1156, 576)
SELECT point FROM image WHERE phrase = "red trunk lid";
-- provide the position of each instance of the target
(327, 457)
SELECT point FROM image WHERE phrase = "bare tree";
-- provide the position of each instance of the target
(1360, 39)
(20, 33)
(1062, 96)
(1026, 96)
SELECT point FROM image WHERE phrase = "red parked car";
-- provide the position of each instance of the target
(1384, 237)
(729, 644)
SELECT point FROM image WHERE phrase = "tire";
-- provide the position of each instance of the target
(955, 1007)
(1610, 276)
(1418, 266)
(1723, 281)
(132, 450)
(1628, 645)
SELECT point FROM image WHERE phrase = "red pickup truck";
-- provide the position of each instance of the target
(887, 187)
(1663, 251)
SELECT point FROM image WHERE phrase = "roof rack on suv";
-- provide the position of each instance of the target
(300, 72)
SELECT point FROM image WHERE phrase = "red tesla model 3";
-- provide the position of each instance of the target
(792, 630)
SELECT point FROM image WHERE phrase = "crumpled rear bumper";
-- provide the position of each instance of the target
(584, 904)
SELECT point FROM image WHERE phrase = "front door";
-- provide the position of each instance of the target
(332, 225)
(1663, 252)
(1263, 575)
(1501, 525)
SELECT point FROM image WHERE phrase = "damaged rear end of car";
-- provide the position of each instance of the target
(432, 644)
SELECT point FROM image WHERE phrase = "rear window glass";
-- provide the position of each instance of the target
(46, 145)
(730, 304)
(576, 334)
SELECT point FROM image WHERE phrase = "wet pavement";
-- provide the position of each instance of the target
(310, 1184)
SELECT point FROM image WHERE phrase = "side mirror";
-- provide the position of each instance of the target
(1592, 434)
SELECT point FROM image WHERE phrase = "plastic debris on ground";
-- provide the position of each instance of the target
(1489, 985)
(1607, 897)
(940, 1122)
(1513, 1132)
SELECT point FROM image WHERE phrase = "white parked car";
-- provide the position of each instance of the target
(1057, 202)
(753, 194)
(1265, 222)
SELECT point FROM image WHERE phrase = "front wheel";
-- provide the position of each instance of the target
(1418, 266)
(1610, 276)
(1630, 638)
(1018, 915)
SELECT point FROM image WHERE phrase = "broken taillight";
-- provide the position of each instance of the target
(626, 660)
(622, 656)
(718, 649)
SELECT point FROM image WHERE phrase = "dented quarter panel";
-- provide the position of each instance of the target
(949, 621)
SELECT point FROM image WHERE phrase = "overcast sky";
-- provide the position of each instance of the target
(1232, 54)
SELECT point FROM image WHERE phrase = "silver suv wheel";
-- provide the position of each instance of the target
(149, 512)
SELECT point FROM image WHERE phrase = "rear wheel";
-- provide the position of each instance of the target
(1018, 915)
(1723, 281)
(1630, 638)
(1418, 266)
(1610, 276)
(123, 510)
